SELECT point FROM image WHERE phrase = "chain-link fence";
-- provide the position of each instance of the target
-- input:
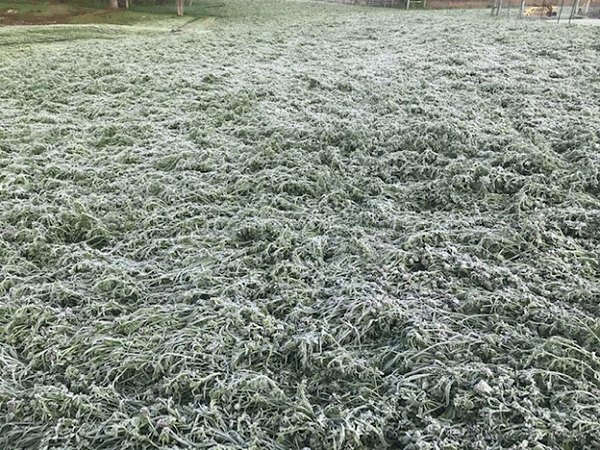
(544, 9)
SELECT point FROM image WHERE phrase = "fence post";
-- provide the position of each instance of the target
(521, 10)
(575, 6)
(560, 12)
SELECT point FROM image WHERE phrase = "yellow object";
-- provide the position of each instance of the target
(545, 10)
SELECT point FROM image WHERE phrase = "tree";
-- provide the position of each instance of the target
(180, 7)
(114, 4)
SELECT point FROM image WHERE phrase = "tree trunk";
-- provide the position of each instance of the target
(127, 4)
(180, 7)
(114, 4)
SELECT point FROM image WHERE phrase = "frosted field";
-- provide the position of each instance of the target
(302, 226)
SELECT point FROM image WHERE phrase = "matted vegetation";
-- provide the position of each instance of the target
(313, 227)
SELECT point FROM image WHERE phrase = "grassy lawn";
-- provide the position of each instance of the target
(78, 12)
(90, 20)
(300, 226)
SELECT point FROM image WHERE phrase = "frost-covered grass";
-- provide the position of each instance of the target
(314, 226)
